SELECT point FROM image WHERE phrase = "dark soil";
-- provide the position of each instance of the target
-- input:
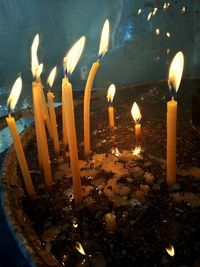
(149, 216)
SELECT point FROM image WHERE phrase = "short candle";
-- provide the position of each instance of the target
(110, 96)
(135, 112)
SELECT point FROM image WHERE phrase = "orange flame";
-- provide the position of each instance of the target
(176, 71)
(72, 57)
(170, 250)
(103, 48)
(15, 93)
(135, 112)
(51, 77)
(111, 93)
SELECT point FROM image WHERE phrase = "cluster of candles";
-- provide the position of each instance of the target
(45, 116)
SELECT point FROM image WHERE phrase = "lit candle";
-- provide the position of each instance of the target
(12, 100)
(36, 70)
(39, 118)
(86, 117)
(174, 80)
(135, 112)
(110, 96)
(64, 122)
(50, 97)
(70, 62)
(35, 66)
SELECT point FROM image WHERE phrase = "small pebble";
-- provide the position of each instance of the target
(124, 190)
(87, 190)
(118, 201)
(148, 177)
(144, 187)
(147, 163)
(112, 182)
(137, 171)
(156, 187)
(108, 192)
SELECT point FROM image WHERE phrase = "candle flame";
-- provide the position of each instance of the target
(176, 71)
(39, 71)
(80, 248)
(51, 77)
(111, 93)
(170, 250)
(157, 31)
(139, 11)
(34, 58)
(137, 151)
(135, 112)
(103, 48)
(14, 94)
(154, 11)
(183, 10)
(149, 16)
(72, 57)
(168, 34)
(165, 6)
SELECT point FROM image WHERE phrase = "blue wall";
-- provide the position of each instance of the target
(136, 53)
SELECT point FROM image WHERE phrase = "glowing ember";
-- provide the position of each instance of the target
(170, 250)
(139, 11)
(149, 16)
(104, 39)
(176, 71)
(157, 31)
(111, 93)
(15, 93)
(137, 151)
(135, 112)
(80, 248)
(72, 57)
(51, 77)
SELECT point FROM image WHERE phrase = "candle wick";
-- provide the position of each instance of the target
(9, 109)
